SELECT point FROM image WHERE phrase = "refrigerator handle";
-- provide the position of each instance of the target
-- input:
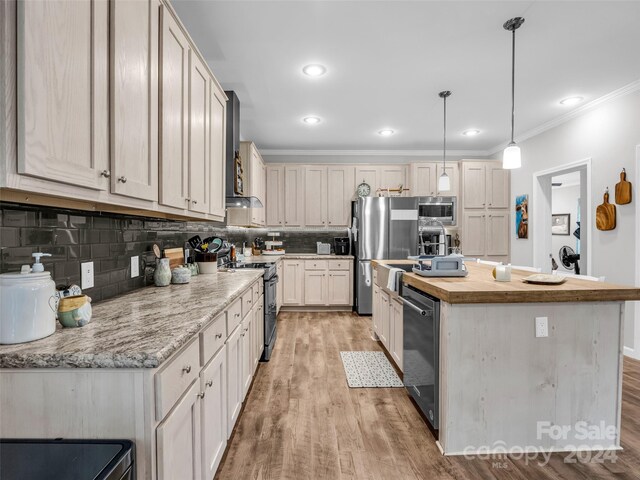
(366, 274)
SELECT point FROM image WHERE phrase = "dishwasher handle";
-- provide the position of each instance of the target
(414, 307)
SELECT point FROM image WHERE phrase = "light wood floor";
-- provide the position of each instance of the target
(301, 420)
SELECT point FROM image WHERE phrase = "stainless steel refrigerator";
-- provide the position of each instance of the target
(382, 228)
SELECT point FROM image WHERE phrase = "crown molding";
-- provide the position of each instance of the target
(576, 112)
(374, 153)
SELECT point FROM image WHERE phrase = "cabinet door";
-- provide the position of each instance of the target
(247, 353)
(315, 287)
(258, 329)
(279, 287)
(217, 149)
(315, 200)
(340, 191)
(368, 175)
(263, 193)
(63, 96)
(292, 284)
(213, 383)
(293, 196)
(275, 196)
(134, 98)
(174, 114)
(234, 378)
(384, 319)
(474, 233)
(392, 176)
(178, 439)
(396, 331)
(452, 172)
(339, 288)
(376, 313)
(498, 233)
(497, 187)
(473, 185)
(198, 136)
(423, 179)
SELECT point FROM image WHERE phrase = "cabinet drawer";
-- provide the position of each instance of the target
(247, 301)
(173, 380)
(315, 264)
(212, 338)
(256, 292)
(234, 315)
(339, 265)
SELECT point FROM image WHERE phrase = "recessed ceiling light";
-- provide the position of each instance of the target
(387, 132)
(311, 120)
(314, 70)
(571, 101)
(471, 133)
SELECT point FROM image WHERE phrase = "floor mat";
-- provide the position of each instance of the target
(369, 370)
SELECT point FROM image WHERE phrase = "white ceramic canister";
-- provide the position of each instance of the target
(28, 305)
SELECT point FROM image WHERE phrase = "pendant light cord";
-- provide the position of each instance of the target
(444, 138)
(513, 81)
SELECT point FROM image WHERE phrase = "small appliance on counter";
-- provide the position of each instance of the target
(273, 246)
(341, 245)
(446, 266)
(323, 248)
(28, 303)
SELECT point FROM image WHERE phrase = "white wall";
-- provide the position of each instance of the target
(565, 200)
(609, 135)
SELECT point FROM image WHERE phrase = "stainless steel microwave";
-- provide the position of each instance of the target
(443, 209)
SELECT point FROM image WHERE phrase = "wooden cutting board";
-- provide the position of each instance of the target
(175, 256)
(623, 189)
(606, 215)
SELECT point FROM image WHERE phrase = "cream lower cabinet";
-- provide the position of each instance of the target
(246, 345)
(388, 322)
(485, 234)
(339, 288)
(292, 282)
(396, 326)
(234, 378)
(280, 286)
(213, 385)
(375, 310)
(316, 287)
(384, 332)
(317, 283)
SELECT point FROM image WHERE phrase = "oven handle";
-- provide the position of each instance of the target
(412, 306)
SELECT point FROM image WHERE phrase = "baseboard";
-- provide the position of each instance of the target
(303, 308)
(631, 352)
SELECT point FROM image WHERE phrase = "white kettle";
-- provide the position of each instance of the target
(28, 304)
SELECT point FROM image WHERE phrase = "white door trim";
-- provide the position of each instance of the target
(541, 214)
(634, 351)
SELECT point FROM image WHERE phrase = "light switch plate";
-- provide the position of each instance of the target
(86, 275)
(135, 266)
(542, 327)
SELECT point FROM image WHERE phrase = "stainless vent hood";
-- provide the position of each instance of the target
(234, 181)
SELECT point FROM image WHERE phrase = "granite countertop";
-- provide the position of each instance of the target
(140, 329)
(480, 287)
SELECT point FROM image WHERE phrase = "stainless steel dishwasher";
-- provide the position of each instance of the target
(422, 350)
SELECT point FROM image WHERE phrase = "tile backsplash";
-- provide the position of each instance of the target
(110, 240)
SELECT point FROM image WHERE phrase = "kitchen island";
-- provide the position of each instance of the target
(502, 389)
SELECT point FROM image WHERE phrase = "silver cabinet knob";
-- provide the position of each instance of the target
(187, 369)
(200, 395)
(209, 383)
(218, 335)
(194, 202)
(187, 199)
(122, 179)
(105, 173)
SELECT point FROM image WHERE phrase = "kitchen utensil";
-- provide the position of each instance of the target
(195, 242)
(74, 311)
(156, 251)
(28, 304)
(175, 256)
(180, 275)
(623, 189)
(606, 214)
(544, 279)
(211, 244)
(208, 267)
(162, 273)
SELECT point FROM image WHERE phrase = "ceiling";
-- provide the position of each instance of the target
(387, 61)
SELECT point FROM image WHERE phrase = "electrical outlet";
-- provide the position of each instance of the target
(86, 275)
(135, 266)
(542, 327)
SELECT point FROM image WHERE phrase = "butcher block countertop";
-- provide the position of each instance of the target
(480, 287)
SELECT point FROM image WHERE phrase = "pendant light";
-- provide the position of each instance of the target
(444, 182)
(511, 157)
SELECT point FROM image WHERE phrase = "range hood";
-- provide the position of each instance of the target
(234, 181)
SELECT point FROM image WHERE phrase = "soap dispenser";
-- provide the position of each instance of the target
(28, 303)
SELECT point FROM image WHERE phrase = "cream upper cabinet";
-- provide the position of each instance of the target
(452, 170)
(369, 175)
(497, 234)
(174, 111)
(392, 177)
(315, 200)
(294, 197)
(423, 179)
(199, 163)
(134, 98)
(340, 191)
(498, 181)
(255, 186)
(474, 233)
(63, 92)
(474, 185)
(217, 150)
(275, 196)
